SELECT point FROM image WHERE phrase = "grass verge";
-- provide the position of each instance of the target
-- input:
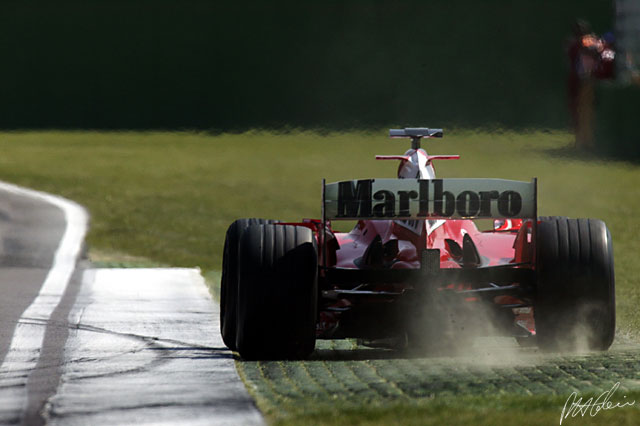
(167, 198)
(345, 383)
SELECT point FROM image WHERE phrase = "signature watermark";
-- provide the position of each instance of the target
(575, 407)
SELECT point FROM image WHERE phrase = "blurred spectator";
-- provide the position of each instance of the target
(590, 58)
(607, 57)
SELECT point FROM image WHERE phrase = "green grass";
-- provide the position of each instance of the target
(477, 410)
(495, 383)
(167, 199)
(464, 410)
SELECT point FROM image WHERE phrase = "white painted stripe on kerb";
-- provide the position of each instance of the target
(28, 336)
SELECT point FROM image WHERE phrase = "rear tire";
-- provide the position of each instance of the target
(277, 292)
(229, 281)
(549, 218)
(575, 301)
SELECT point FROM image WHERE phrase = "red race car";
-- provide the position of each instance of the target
(416, 270)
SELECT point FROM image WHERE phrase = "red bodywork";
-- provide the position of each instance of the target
(366, 275)
(509, 243)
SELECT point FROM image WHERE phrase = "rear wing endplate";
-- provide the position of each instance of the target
(429, 199)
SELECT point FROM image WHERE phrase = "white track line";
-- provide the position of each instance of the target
(28, 336)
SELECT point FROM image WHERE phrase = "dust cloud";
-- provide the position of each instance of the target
(478, 334)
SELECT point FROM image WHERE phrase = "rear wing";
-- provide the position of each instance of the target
(429, 199)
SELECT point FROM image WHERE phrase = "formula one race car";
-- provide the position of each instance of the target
(416, 269)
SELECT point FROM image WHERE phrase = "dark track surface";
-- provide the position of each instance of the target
(30, 233)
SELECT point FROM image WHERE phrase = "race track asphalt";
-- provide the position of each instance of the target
(100, 346)
(37, 263)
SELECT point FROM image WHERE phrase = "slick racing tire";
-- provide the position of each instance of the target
(229, 281)
(549, 218)
(277, 292)
(575, 302)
